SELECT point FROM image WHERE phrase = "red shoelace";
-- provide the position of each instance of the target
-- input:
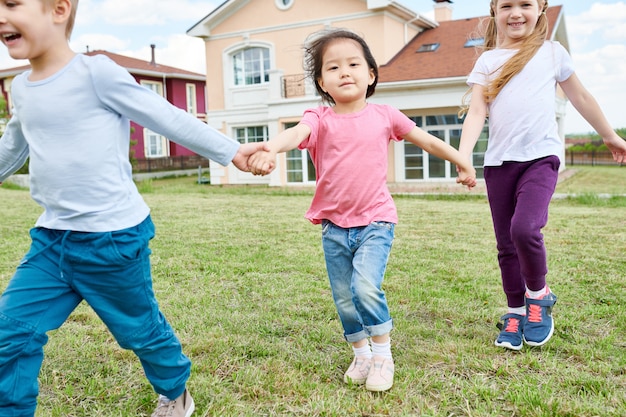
(534, 313)
(512, 325)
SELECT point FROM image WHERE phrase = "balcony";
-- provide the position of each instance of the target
(293, 85)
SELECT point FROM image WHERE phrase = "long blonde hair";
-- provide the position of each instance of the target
(529, 47)
(527, 50)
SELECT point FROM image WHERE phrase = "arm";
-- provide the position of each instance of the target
(119, 91)
(588, 107)
(474, 122)
(437, 147)
(14, 150)
(262, 163)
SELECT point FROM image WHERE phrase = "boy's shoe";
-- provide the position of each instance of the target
(511, 328)
(182, 406)
(538, 323)
(380, 377)
(358, 370)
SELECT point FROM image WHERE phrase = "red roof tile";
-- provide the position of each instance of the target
(134, 65)
(451, 59)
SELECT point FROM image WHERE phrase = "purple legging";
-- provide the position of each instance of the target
(519, 194)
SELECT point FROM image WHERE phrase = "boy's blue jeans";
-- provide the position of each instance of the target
(111, 272)
(356, 260)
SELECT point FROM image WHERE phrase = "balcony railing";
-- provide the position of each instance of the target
(293, 86)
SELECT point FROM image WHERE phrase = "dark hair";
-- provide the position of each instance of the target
(314, 48)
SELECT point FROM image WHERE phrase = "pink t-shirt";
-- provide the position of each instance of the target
(349, 152)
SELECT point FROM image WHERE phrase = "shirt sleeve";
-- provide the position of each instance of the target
(13, 149)
(119, 91)
(401, 124)
(311, 118)
(479, 74)
(563, 62)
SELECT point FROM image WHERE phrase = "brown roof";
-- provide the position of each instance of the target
(136, 66)
(132, 65)
(450, 59)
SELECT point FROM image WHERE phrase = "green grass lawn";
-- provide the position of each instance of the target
(240, 275)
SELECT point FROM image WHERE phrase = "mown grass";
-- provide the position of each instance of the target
(240, 275)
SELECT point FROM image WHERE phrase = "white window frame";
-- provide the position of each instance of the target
(246, 139)
(264, 72)
(192, 100)
(400, 157)
(154, 145)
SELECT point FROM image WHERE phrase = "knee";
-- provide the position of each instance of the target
(18, 339)
(524, 234)
(148, 337)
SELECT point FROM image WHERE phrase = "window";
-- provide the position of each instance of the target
(191, 99)
(251, 134)
(428, 47)
(155, 86)
(413, 162)
(251, 66)
(155, 145)
(474, 42)
(419, 165)
(300, 168)
(284, 4)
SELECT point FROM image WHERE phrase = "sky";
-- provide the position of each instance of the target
(596, 31)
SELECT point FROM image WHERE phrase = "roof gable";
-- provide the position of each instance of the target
(247, 12)
(452, 58)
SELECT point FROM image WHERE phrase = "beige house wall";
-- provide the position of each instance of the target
(284, 31)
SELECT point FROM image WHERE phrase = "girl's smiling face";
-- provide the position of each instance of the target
(515, 20)
(345, 73)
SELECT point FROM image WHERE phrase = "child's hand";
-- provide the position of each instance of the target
(466, 177)
(241, 157)
(617, 146)
(262, 162)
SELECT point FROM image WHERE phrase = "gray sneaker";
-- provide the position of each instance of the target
(182, 406)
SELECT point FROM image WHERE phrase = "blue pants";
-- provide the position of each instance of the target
(111, 272)
(356, 260)
(519, 194)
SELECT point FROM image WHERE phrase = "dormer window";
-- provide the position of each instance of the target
(428, 47)
(474, 42)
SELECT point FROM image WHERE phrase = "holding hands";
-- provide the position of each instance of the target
(262, 162)
(466, 176)
(243, 157)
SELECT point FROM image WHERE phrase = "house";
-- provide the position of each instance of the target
(256, 86)
(182, 88)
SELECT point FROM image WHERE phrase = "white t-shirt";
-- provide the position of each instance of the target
(522, 118)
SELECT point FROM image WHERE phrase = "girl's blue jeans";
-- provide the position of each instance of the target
(519, 195)
(111, 272)
(356, 260)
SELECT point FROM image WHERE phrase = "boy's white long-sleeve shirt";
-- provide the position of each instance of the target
(75, 128)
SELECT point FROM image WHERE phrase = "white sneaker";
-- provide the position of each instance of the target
(182, 406)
